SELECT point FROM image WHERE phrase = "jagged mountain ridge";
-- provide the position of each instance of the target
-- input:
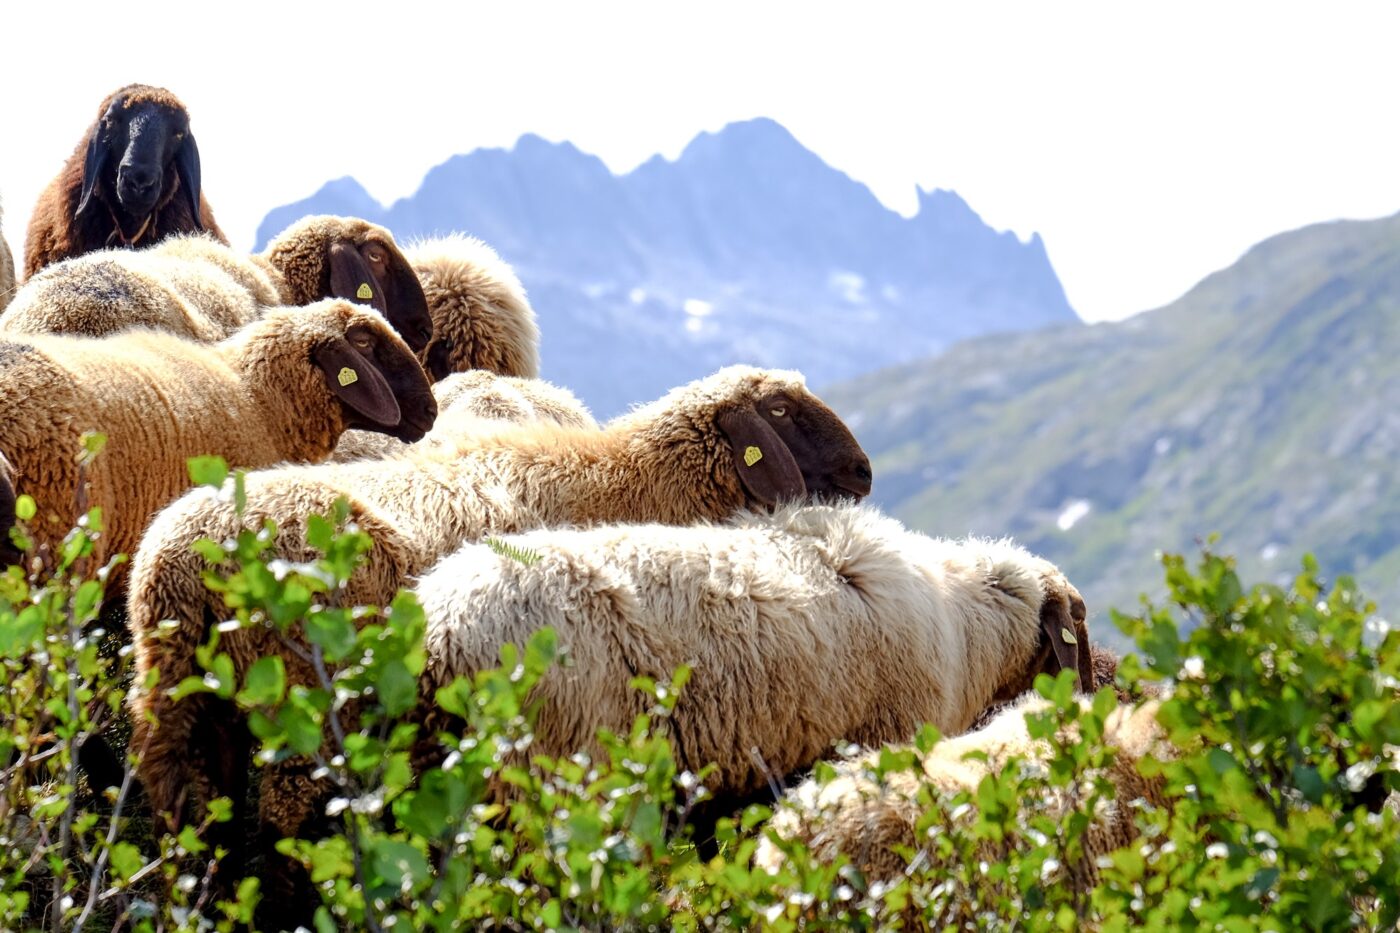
(747, 248)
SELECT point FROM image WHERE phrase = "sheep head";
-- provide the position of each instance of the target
(765, 437)
(349, 258)
(136, 150)
(1062, 639)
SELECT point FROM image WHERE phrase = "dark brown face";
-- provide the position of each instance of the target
(379, 383)
(137, 149)
(831, 460)
(375, 273)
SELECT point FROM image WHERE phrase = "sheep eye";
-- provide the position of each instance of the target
(778, 411)
(362, 343)
(377, 256)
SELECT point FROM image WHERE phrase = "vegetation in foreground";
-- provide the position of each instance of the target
(1281, 705)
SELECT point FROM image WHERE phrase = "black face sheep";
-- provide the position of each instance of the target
(284, 388)
(813, 625)
(742, 438)
(7, 267)
(198, 288)
(468, 404)
(481, 318)
(133, 179)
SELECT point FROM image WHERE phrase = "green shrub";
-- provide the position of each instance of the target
(1281, 707)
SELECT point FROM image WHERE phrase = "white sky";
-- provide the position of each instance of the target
(1147, 145)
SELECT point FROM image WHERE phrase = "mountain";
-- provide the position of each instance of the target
(747, 248)
(1261, 406)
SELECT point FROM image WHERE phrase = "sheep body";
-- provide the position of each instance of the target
(192, 286)
(65, 223)
(469, 403)
(254, 399)
(670, 462)
(867, 817)
(481, 317)
(816, 624)
(7, 266)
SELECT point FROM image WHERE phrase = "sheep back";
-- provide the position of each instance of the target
(818, 624)
(467, 399)
(868, 818)
(479, 309)
(175, 286)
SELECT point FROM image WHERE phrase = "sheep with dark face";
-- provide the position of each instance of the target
(198, 288)
(133, 179)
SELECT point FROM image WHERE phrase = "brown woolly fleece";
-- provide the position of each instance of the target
(816, 624)
(465, 401)
(255, 399)
(669, 462)
(481, 318)
(867, 817)
(7, 266)
(55, 232)
(192, 286)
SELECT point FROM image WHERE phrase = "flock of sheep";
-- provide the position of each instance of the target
(717, 526)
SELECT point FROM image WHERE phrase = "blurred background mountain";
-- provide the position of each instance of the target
(747, 248)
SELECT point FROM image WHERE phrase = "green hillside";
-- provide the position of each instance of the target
(1264, 405)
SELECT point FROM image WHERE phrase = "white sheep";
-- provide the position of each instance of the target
(869, 818)
(742, 438)
(816, 624)
(466, 400)
(198, 288)
(282, 389)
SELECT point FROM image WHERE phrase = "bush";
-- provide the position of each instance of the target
(1281, 708)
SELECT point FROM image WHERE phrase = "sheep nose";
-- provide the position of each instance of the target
(858, 479)
(140, 178)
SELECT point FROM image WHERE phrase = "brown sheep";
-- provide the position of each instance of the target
(741, 438)
(7, 266)
(133, 179)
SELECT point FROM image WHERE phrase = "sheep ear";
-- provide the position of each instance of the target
(92, 169)
(187, 167)
(1069, 640)
(766, 467)
(358, 383)
(352, 279)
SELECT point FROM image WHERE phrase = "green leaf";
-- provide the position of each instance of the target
(207, 471)
(25, 509)
(126, 860)
(266, 680)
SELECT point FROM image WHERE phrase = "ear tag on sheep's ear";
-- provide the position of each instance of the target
(1068, 636)
(364, 291)
(347, 376)
(752, 455)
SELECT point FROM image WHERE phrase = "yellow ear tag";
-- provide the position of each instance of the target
(1068, 636)
(752, 455)
(347, 376)
(364, 291)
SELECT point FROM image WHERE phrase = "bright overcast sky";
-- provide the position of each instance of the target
(1148, 146)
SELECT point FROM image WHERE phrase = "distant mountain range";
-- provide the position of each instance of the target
(1263, 405)
(748, 248)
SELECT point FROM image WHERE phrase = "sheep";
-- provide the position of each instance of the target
(133, 179)
(741, 438)
(868, 818)
(7, 266)
(481, 318)
(284, 388)
(465, 401)
(198, 288)
(812, 625)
